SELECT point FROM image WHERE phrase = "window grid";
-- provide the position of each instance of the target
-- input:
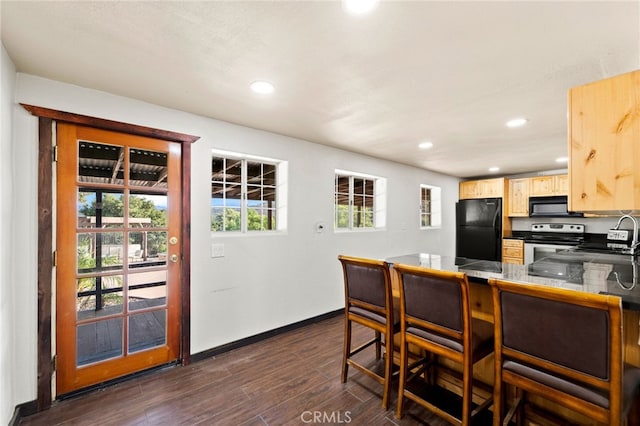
(430, 207)
(425, 206)
(354, 202)
(243, 194)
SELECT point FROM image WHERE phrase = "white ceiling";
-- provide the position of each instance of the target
(449, 72)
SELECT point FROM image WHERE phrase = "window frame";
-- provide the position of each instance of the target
(378, 196)
(280, 193)
(434, 212)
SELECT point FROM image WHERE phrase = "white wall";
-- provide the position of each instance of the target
(7, 377)
(263, 282)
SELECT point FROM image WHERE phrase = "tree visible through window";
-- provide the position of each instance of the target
(355, 202)
(243, 194)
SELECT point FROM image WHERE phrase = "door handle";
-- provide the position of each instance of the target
(173, 258)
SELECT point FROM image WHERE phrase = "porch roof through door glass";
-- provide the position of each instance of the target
(104, 164)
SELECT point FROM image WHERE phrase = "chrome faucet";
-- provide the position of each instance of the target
(634, 243)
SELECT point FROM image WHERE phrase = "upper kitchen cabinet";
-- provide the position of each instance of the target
(518, 197)
(604, 145)
(484, 188)
(542, 186)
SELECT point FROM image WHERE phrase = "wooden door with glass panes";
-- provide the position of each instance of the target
(118, 255)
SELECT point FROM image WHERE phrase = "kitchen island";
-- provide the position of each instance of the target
(588, 272)
(572, 269)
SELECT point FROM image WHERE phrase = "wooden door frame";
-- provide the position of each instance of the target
(46, 119)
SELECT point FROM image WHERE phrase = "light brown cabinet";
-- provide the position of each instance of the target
(484, 188)
(518, 197)
(541, 186)
(512, 251)
(604, 145)
(489, 188)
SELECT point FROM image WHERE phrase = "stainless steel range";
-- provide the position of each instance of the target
(548, 238)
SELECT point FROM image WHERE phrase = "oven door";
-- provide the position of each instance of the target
(537, 251)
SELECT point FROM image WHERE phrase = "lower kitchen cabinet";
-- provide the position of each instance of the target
(512, 251)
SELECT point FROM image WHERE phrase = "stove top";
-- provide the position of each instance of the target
(556, 233)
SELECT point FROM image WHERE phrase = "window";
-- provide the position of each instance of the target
(359, 201)
(246, 193)
(430, 213)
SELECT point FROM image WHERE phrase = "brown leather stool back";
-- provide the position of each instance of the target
(369, 302)
(562, 345)
(435, 316)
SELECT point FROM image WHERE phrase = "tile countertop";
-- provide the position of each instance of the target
(570, 269)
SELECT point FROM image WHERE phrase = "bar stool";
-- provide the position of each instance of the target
(563, 346)
(435, 316)
(369, 302)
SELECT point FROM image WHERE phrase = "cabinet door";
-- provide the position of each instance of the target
(604, 145)
(485, 188)
(468, 190)
(541, 186)
(491, 188)
(518, 197)
(561, 184)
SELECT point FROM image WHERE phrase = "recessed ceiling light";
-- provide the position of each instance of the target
(425, 145)
(494, 169)
(562, 160)
(262, 87)
(359, 7)
(517, 122)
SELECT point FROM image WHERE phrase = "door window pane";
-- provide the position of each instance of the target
(100, 163)
(147, 248)
(147, 210)
(147, 289)
(147, 168)
(99, 252)
(98, 341)
(100, 209)
(147, 330)
(91, 303)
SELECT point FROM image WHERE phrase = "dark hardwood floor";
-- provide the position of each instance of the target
(289, 379)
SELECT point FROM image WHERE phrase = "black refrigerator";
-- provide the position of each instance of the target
(479, 229)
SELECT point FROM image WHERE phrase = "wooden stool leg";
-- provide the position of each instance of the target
(467, 377)
(520, 401)
(402, 380)
(633, 419)
(498, 400)
(388, 367)
(346, 351)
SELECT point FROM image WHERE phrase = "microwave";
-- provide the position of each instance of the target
(554, 206)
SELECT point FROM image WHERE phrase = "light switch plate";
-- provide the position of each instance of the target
(217, 250)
